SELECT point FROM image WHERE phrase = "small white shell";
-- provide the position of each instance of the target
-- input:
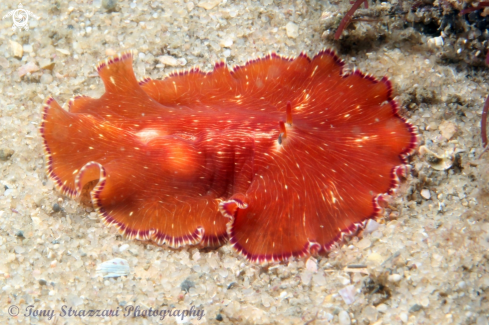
(114, 268)
(436, 162)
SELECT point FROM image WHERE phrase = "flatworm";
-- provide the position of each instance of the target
(281, 156)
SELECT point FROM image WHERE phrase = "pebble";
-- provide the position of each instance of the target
(46, 64)
(27, 68)
(110, 52)
(6, 153)
(17, 49)
(4, 62)
(109, 5)
(403, 317)
(46, 78)
(123, 247)
(56, 207)
(414, 308)
(344, 318)
(209, 4)
(348, 294)
(292, 30)
(425, 193)
(395, 277)
(27, 48)
(382, 308)
(113, 268)
(371, 226)
(375, 257)
(171, 61)
(311, 264)
(63, 51)
(436, 41)
(319, 279)
(186, 285)
(447, 129)
(226, 42)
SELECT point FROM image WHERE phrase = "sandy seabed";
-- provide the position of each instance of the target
(425, 262)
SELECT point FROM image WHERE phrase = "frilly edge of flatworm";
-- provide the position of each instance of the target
(230, 206)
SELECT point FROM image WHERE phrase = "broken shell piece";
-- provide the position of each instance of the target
(114, 268)
(27, 68)
(436, 162)
(447, 129)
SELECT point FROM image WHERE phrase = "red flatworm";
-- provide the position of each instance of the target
(281, 156)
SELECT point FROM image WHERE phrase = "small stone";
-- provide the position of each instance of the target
(171, 61)
(319, 279)
(370, 313)
(5, 154)
(226, 42)
(344, 318)
(42, 282)
(482, 320)
(46, 64)
(219, 318)
(20, 234)
(186, 285)
(403, 317)
(190, 6)
(348, 294)
(311, 264)
(74, 300)
(394, 277)
(113, 268)
(27, 48)
(110, 52)
(56, 207)
(63, 51)
(436, 41)
(227, 53)
(364, 243)
(17, 49)
(27, 68)
(447, 129)
(375, 257)
(209, 4)
(414, 308)
(306, 277)
(425, 193)
(109, 5)
(382, 308)
(371, 226)
(292, 30)
(123, 247)
(46, 78)
(4, 62)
